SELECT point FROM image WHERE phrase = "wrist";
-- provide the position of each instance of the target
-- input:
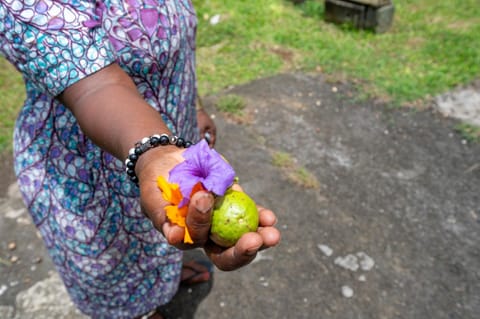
(158, 161)
(149, 148)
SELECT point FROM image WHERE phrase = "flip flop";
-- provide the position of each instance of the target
(196, 271)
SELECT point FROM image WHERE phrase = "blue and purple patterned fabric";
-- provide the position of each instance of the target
(111, 259)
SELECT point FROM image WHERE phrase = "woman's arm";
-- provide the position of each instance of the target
(111, 112)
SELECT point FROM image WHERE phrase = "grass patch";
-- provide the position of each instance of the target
(12, 94)
(469, 132)
(294, 172)
(432, 46)
(283, 160)
(231, 104)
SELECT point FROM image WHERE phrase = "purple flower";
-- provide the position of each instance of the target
(205, 165)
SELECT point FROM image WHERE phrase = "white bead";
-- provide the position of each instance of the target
(145, 140)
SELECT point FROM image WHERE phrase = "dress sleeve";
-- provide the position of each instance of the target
(53, 43)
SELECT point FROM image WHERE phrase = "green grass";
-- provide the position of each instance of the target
(432, 47)
(295, 173)
(12, 94)
(231, 103)
(469, 132)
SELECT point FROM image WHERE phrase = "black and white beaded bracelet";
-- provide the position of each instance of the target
(148, 143)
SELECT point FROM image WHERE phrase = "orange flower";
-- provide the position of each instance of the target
(172, 194)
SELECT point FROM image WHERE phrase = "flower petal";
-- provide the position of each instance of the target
(221, 176)
(187, 239)
(205, 165)
(177, 216)
(165, 188)
(170, 192)
(196, 188)
(174, 216)
(185, 176)
(196, 150)
(175, 213)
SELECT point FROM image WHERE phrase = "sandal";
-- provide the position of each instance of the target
(154, 314)
(196, 271)
(193, 272)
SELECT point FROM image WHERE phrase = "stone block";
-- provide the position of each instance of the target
(373, 3)
(377, 19)
(339, 11)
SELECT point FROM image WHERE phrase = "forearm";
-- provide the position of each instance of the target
(111, 112)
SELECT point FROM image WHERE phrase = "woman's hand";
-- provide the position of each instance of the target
(207, 127)
(199, 216)
(247, 247)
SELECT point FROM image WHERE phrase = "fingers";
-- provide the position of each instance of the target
(212, 136)
(267, 220)
(270, 236)
(266, 217)
(244, 251)
(153, 204)
(199, 216)
(211, 139)
(174, 235)
(207, 127)
(237, 256)
(237, 187)
(198, 222)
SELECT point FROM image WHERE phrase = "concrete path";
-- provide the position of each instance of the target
(379, 211)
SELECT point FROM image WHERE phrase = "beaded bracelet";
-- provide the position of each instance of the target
(147, 143)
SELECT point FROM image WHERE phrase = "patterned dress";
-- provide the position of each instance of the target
(111, 259)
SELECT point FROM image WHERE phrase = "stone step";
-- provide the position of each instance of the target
(362, 16)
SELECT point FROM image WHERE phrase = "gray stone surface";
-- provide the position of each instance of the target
(462, 104)
(391, 231)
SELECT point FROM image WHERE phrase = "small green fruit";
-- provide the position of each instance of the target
(234, 214)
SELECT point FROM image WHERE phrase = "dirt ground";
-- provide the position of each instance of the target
(378, 208)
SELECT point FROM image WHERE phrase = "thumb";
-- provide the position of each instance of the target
(199, 216)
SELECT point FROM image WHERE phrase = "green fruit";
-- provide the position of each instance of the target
(234, 214)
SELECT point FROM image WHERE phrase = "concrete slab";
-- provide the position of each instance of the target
(462, 104)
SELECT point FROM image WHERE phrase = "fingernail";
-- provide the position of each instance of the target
(204, 204)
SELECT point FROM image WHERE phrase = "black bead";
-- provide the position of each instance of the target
(164, 140)
(138, 150)
(134, 179)
(130, 172)
(188, 144)
(133, 157)
(130, 164)
(180, 142)
(154, 141)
